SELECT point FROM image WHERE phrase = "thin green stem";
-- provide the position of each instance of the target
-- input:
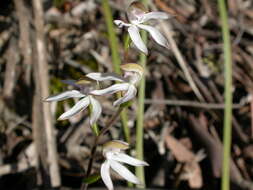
(115, 59)
(227, 133)
(140, 115)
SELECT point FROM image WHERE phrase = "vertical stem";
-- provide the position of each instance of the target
(115, 59)
(140, 113)
(228, 96)
(94, 127)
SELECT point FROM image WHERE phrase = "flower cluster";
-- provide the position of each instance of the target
(87, 89)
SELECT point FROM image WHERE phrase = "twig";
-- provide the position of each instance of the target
(188, 103)
(180, 59)
(10, 72)
(24, 39)
(42, 70)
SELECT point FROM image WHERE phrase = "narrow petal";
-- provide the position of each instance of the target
(111, 90)
(96, 110)
(156, 35)
(65, 95)
(120, 23)
(121, 157)
(136, 39)
(130, 94)
(124, 172)
(79, 106)
(105, 76)
(105, 175)
(154, 15)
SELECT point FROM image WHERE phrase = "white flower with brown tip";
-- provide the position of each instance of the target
(114, 156)
(132, 75)
(137, 15)
(85, 86)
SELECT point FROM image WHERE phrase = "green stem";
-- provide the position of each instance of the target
(140, 115)
(115, 59)
(227, 133)
(94, 127)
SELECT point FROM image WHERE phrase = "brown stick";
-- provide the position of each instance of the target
(188, 103)
(10, 73)
(42, 70)
(24, 37)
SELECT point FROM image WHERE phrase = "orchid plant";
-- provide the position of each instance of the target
(87, 90)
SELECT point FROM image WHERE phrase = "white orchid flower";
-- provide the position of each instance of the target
(114, 156)
(132, 75)
(137, 15)
(85, 86)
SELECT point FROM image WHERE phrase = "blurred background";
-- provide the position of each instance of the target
(43, 42)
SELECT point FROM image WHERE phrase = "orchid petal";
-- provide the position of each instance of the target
(157, 36)
(120, 23)
(154, 15)
(124, 172)
(79, 106)
(121, 157)
(111, 90)
(136, 39)
(105, 175)
(105, 76)
(96, 110)
(130, 94)
(65, 95)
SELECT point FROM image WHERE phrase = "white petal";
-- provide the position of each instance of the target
(136, 39)
(96, 110)
(105, 175)
(79, 106)
(65, 95)
(120, 23)
(111, 90)
(105, 76)
(121, 157)
(154, 15)
(124, 172)
(157, 36)
(130, 94)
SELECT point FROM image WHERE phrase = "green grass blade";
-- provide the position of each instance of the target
(115, 59)
(227, 133)
(140, 115)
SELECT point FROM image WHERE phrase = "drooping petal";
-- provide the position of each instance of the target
(111, 90)
(79, 106)
(96, 110)
(154, 15)
(130, 94)
(121, 157)
(124, 172)
(105, 76)
(156, 35)
(65, 95)
(120, 23)
(105, 175)
(136, 39)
